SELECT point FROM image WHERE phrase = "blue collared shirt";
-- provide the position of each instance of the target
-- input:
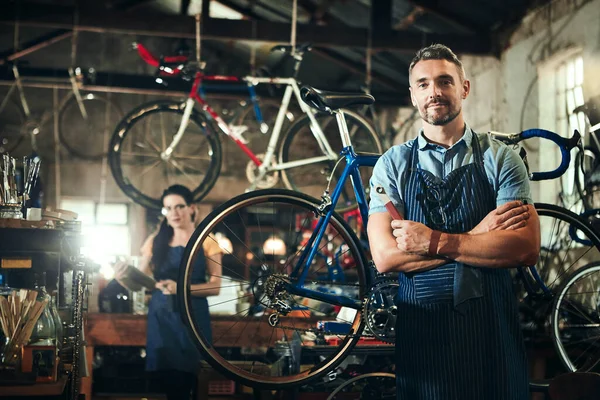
(504, 168)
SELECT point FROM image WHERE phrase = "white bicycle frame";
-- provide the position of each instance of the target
(268, 164)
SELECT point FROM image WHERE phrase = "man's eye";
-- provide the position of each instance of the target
(422, 85)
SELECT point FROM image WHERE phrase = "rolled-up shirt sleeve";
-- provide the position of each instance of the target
(384, 175)
(513, 180)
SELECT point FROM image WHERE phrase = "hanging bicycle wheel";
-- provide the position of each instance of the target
(567, 244)
(264, 322)
(300, 143)
(86, 135)
(11, 123)
(135, 153)
(576, 320)
(374, 385)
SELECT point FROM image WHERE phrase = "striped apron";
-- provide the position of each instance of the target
(458, 333)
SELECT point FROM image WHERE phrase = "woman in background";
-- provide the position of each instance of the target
(170, 352)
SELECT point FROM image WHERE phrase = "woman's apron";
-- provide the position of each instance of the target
(168, 344)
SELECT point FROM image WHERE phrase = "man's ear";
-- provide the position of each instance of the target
(466, 85)
(412, 99)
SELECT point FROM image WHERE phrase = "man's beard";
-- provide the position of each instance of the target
(441, 120)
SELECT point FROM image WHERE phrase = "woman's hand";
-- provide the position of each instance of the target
(167, 286)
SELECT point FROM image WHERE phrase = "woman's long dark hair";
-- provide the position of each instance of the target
(160, 244)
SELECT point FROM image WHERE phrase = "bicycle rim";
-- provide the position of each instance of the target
(374, 385)
(299, 143)
(267, 232)
(567, 244)
(576, 320)
(135, 153)
(87, 137)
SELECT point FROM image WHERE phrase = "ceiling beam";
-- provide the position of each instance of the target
(432, 7)
(35, 45)
(48, 78)
(223, 29)
(359, 69)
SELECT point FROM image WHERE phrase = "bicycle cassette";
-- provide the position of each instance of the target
(380, 311)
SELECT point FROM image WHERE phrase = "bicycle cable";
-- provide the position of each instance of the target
(332, 173)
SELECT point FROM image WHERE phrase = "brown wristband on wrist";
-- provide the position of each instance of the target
(433, 243)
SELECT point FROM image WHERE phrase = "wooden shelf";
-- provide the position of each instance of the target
(38, 389)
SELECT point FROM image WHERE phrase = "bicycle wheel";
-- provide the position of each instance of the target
(374, 385)
(586, 162)
(87, 138)
(576, 320)
(11, 122)
(567, 244)
(135, 160)
(271, 330)
(299, 143)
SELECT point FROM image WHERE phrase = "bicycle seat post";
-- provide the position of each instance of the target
(343, 127)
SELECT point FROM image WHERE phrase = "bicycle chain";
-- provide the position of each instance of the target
(271, 288)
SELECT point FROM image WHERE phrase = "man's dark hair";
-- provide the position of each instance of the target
(437, 52)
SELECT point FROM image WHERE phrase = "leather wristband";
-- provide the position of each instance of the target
(433, 243)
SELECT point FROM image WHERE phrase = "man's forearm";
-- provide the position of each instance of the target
(394, 260)
(498, 249)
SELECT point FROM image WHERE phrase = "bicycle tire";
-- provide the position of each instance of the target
(202, 143)
(577, 307)
(585, 164)
(380, 378)
(75, 133)
(256, 215)
(300, 137)
(12, 120)
(567, 244)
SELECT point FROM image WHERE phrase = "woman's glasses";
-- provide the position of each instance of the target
(165, 210)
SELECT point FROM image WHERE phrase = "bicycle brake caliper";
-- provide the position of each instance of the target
(325, 203)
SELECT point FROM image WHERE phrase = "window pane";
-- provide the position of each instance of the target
(84, 209)
(102, 243)
(570, 75)
(578, 96)
(579, 71)
(112, 214)
(570, 101)
(573, 123)
(581, 119)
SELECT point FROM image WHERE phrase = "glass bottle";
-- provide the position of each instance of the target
(44, 331)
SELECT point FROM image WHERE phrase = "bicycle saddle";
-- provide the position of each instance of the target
(329, 101)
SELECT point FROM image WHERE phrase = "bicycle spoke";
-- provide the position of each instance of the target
(148, 169)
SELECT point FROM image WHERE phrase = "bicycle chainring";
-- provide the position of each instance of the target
(380, 311)
(266, 182)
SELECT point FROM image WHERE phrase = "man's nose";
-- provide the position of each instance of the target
(436, 91)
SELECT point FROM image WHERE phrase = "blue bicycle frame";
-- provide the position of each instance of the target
(351, 170)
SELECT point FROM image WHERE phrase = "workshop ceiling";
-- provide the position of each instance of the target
(233, 30)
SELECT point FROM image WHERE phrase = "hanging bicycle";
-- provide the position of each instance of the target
(167, 142)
